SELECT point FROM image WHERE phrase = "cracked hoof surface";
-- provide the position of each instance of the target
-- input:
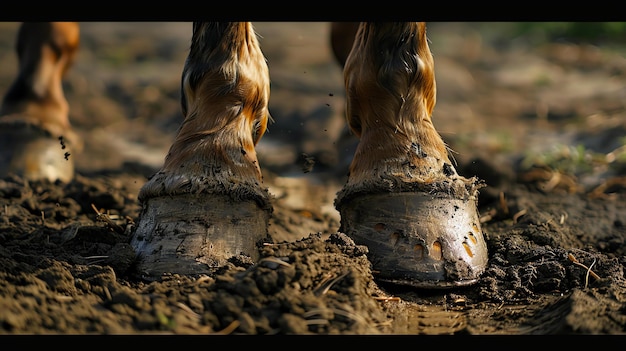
(418, 239)
(191, 234)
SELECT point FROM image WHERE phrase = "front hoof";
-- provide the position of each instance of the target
(192, 234)
(418, 239)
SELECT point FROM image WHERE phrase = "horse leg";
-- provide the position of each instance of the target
(36, 137)
(403, 198)
(207, 205)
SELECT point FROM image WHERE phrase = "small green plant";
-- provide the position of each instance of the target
(164, 321)
(593, 32)
(563, 158)
(576, 159)
(618, 155)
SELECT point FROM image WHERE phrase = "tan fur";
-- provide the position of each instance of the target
(45, 52)
(389, 77)
(225, 95)
(390, 82)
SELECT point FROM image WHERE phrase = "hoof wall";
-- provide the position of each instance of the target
(192, 234)
(418, 239)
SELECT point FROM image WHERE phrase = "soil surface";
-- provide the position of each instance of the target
(543, 123)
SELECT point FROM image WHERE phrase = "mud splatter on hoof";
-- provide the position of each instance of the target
(420, 239)
(194, 234)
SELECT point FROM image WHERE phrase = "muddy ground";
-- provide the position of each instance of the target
(542, 122)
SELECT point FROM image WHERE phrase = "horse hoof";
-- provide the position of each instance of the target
(418, 239)
(192, 234)
(34, 153)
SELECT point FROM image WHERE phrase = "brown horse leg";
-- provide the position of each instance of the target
(403, 198)
(36, 139)
(207, 204)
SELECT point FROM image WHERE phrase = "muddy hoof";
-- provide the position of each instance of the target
(418, 239)
(34, 153)
(191, 234)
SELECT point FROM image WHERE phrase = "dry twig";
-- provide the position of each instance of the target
(104, 217)
(588, 269)
(385, 298)
(276, 260)
(489, 216)
(517, 215)
(327, 283)
(191, 313)
(229, 328)
(503, 205)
